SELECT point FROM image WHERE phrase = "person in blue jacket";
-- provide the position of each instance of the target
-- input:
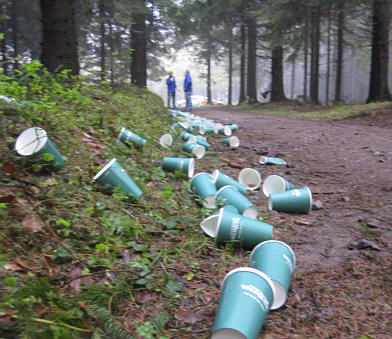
(188, 91)
(171, 90)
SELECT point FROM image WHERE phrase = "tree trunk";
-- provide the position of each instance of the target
(4, 58)
(230, 89)
(59, 43)
(292, 87)
(252, 33)
(102, 23)
(139, 45)
(328, 57)
(277, 92)
(339, 59)
(208, 61)
(379, 89)
(242, 64)
(306, 47)
(315, 56)
(15, 33)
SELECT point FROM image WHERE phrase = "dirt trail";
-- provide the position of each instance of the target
(347, 164)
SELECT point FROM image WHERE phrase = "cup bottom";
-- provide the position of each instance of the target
(227, 333)
(251, 212)
(209, 202)
(280, 296)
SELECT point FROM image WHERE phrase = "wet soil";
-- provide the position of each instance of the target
(347, 164)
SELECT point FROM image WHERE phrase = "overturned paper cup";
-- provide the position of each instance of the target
(234, 127)
(230, 195)
(246, 297)
(231, 227)
(233, 142)
(222, 179)
(34, 142)
(277, 260)
(186, 135)
(271, 161)
(275, 183)
(292, 201)
(128, 137)
(184, 165)
(225, 130)
(203, 186)
(197, 150)
(166, 140)
(114, 175)
(250, 178)
(204, 129)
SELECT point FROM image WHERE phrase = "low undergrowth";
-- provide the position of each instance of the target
(76, 259)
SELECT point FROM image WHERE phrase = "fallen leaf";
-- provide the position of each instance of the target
(189, 317)
(9, 167)
(23, 264)
(7, 198)
(33, 190)
(22, 202)
(197, 285)
(33, 224)
(75, 284)
(143, 298)
(87, 135)
(13, 267)
(236, 165)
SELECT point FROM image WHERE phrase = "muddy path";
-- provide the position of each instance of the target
(346, 164)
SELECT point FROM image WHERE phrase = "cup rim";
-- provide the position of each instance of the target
(199, 151)
(103, 170)
(254, 171)
(18, 140)
(162, 140)
(251, 208)
(191, 167)
(121, 132)
(236, 141)
(214, 216)
(277, 241)
(263, 160)
(272, 177)
(221, 189)
(257, 272)
(215, 175)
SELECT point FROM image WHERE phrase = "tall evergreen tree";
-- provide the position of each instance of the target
(59, 43)
(379, 89)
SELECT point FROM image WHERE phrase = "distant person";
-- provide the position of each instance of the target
(171, 90)
(188, 91)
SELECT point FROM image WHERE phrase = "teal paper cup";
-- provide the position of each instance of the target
(205, 129)
(221, 180)
(274, 184)
(233, 142)
(225, 130)
(232, 196)
(292, 201)
(35, 143)
(166, 140)
(228, 208)
(128, 137)
(277, 260)
(114, 175)
(186, 135)
(250, 178)
(202, 141)
(234, 127)
(203, 186)
(195, 149)
(271, 161)
(184, 165)
(228, 227)
(246, 297)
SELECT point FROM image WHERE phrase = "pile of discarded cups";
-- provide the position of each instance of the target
(248, 293)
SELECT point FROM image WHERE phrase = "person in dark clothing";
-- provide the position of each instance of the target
(188, 91)
(171, 90)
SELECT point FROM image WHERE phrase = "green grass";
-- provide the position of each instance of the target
(325, 112)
